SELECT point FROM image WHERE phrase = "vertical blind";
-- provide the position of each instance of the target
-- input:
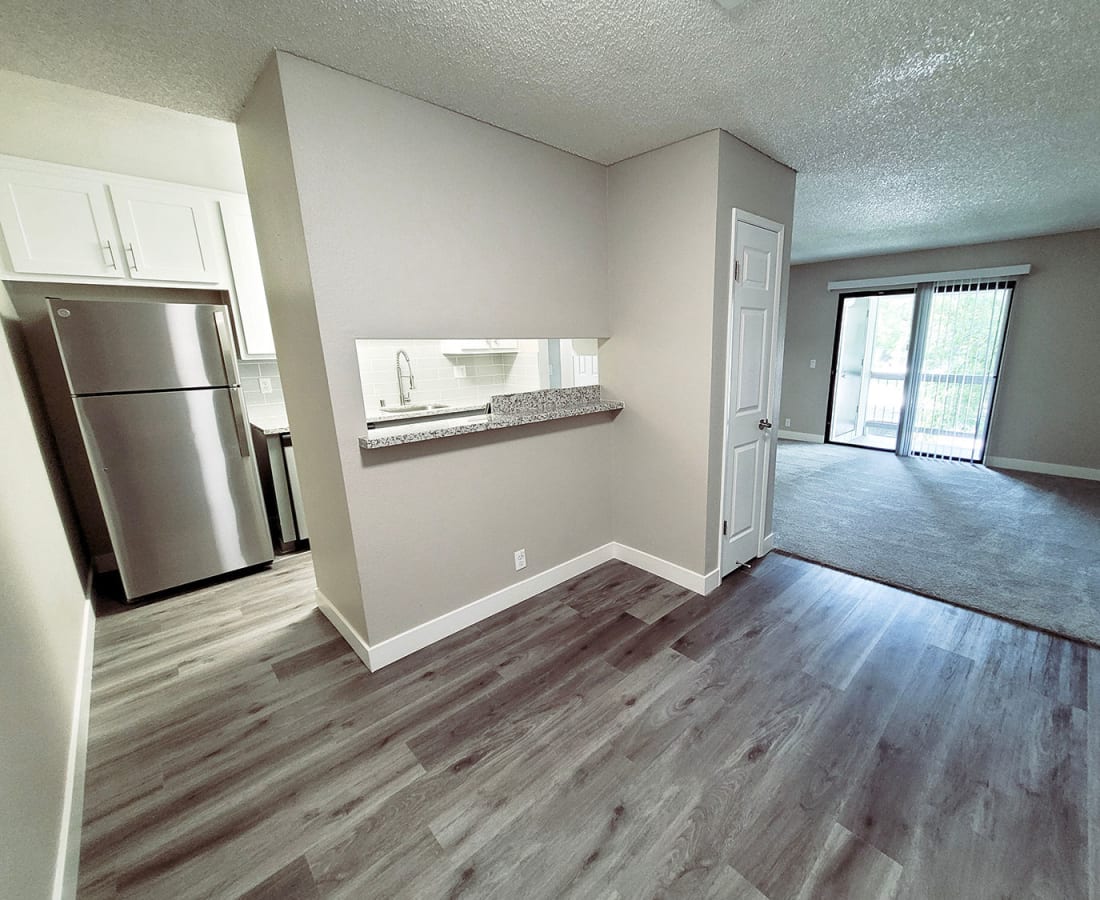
(958, 333)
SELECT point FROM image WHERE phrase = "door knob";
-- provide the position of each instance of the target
(764, 425)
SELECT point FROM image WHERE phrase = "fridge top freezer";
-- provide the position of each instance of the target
(162, 417)
(117, 346)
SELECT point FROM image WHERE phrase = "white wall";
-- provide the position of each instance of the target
(417, 222)
(1045, 410)
(40, 639)
(64, 124)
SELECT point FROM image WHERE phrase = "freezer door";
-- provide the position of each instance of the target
(111, 346)
(178, 485)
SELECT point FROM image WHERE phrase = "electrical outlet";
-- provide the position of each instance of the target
(521, 558)
(265, 386)
(813, 363)
(786, 423)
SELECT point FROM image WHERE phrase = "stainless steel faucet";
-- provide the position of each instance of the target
(402, 392)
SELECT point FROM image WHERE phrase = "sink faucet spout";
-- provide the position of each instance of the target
(402, 391)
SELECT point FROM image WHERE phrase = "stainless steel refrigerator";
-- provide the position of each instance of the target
(160, 408)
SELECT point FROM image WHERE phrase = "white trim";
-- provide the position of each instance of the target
(856, 284)
(346, 629)
(375, 656)
(72, 810)
(670, 571)
(94, 280)
(740, 215)
(802, 436)
(768, 544)
(1043, 468)
(427, 633)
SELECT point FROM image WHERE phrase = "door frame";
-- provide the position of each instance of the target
(764, 541)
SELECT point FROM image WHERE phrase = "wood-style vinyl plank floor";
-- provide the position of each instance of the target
(799, 733)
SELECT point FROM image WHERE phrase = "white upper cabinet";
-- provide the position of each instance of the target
(167, 233)
(72, 225)
(249, 298)
(466, 347)
(58, 225)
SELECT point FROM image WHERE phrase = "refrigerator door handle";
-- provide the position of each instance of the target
(225, 344)
(236, 403)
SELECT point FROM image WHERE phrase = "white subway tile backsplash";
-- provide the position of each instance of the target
(456, 378)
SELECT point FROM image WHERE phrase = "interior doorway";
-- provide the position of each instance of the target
(756, 268)
(915, 370)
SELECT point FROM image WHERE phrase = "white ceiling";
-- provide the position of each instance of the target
(912, 123)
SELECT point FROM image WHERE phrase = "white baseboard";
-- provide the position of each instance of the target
(802, 436)
(346, 629)
(375, 656)
(686, 578)
(394, 648)
(72, 810)
(1042, 468)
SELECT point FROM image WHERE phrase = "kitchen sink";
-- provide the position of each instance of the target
(413, 407)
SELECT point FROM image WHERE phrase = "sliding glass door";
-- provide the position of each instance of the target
(955, 362)
(915, 371)
(872, 350)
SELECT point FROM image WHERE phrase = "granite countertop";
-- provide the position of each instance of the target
(509, 411)
(269, 420)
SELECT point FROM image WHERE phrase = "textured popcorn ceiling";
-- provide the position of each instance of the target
(911, 124)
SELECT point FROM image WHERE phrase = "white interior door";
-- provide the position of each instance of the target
(754, 308)
(167, 234)
(58, 225)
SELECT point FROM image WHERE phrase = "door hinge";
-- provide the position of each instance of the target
(737, 270)
(724, 525)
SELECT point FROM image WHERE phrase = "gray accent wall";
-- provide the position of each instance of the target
(750, 181)
(42, 633)
(381, 216)
(662, 228)
(671, 226)
(264, 134)
(1046, 406)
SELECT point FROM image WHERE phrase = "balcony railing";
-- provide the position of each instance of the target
(949, 404)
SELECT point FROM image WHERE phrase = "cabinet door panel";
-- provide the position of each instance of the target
(249, 297)
(167, 234)
(58, 225)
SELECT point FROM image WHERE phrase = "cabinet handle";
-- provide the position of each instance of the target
(133, 257)
(113, 263)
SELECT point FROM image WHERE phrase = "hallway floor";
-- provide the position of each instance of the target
(799, 733)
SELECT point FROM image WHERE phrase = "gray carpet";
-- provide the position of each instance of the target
(1021, 546)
